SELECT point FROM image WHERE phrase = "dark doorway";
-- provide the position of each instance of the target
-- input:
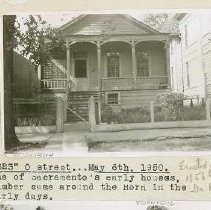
(80, 68)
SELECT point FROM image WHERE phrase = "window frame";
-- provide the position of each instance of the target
(118, 98)
(106, 58)
(149, 63)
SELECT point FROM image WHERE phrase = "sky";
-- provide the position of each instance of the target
(57, 19)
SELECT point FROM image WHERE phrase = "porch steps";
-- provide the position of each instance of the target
(78, 102)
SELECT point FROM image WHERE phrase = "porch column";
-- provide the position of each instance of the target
(134, 61)
(68, 78)
(99, 75)
(168, 70)
(68, 63)
(39, 75)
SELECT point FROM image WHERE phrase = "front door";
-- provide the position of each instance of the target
(81, 74)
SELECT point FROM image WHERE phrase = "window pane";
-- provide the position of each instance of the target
(142, 59)
(113, 98)
(113, 64)
(80, 68)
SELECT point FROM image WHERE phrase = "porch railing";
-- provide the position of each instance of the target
(155, 82)
(121, 83)
(117, 83)
(54, 84)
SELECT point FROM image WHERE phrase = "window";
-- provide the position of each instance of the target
(80, 68)
(113, 65)
(113, 98)
(188, 73)
(142, 59)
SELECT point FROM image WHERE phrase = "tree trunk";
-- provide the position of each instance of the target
(11, 139)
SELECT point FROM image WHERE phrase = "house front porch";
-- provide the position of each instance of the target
(111, 65)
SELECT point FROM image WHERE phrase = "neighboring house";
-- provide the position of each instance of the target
(177, 83)
(25, 78)
(195, 54)
(114, 57)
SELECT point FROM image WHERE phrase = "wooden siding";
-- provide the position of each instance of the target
(25, 78)
(100, 24)
(207, 68)
(193, 54)
(139, 97)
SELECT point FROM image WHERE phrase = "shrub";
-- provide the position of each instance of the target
(130, 115)
(45, 120)
(172, 105)
(194, 113)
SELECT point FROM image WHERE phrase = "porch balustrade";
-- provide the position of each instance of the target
(121, 83)
(54, 84)
(155, 82)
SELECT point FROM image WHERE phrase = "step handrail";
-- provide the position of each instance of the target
(75, 113)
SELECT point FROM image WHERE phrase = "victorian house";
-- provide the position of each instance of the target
(113, 57)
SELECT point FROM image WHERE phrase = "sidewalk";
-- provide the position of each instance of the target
(76, 139)
(72, 141)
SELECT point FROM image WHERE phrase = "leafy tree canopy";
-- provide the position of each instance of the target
(37, 39)
(162, 22)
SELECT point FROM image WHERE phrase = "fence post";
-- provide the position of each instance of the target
(99, 111)
(152, 114)
(92, 120)
(65, 108)
(65, 114)
(60, 115)
(208, 110)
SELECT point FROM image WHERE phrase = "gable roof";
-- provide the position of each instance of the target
(97, 24)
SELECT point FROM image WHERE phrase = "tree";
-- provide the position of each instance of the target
(38, 39)
(11, 139)
(33, 45)
(162, 22)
